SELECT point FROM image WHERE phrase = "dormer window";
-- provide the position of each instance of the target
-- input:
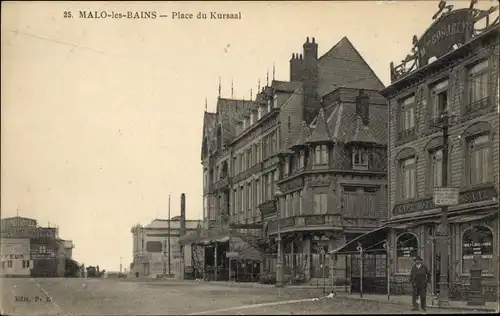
(259, 113)
(301, 159)
(268, 105)
(275, 101)
(251, 119)
(359, 159)
(244, 123)
(321, 155)
(286, 167)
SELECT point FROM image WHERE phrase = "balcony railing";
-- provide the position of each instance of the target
(407, 133)
(221, 184)
(301, 222)
(477, 106)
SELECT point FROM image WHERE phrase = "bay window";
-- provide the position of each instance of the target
(320, 203)
(359, 158)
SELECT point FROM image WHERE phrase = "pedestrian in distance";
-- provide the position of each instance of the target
(419, 277)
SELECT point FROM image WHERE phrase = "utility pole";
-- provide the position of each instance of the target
(279, 262)
(168, 236)
(443, 234)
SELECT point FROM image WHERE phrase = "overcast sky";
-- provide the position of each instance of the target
(101, 119)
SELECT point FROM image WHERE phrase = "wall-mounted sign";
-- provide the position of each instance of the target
(18, 221)
(12, 256)
(445, 196)
(448, 30)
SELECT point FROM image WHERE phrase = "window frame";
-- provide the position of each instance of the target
(402, 166)
(432, 170)
(436, 89)
(491, 256)
(404, 106)
(321, 155)
(358, 154)
(485, 165)
(320, 207)
(411, 257)
(472, 74)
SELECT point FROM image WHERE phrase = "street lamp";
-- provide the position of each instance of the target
(279, 268)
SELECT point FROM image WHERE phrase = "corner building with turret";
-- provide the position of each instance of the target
(305, 160)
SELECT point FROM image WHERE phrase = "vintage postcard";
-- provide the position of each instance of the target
(249, 157)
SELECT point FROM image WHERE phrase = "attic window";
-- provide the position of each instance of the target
(275, 101)
(359, 159)
(251, 118)
(244, 123)
(259, 113)
(268, 105)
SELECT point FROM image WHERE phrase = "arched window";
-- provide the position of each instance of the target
(406, 251)
(477, 243)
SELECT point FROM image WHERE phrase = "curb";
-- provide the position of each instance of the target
(461, 308)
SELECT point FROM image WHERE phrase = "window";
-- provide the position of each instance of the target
(479, 160)
(407, 114)
(320, 203)
(251, 118)
(286, 167)
(321, 155)
(257, 191)
(477, 243)
(408, 178)
(274, 143)
(268, 105)
(42, 249)
(406, 251)
(249, 155)
(250, 196)
(439, 98)
(259, 113)
(478, 82)
(436, 169)
(244, 123)
(301, 159)
(9, 264)
(275, 101)
(359, 158)
(269, 186)
(301, 203)
(265, 149)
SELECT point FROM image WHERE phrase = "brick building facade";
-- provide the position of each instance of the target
(457, 73)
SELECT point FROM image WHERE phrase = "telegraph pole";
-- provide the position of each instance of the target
(168, 236)
(443, 233)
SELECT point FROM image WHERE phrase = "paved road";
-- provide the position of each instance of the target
(117, 297)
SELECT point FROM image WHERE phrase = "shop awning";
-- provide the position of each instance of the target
(243, 250)
(373, 239)
(472, 218)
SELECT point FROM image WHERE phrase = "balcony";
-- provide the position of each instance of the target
(305, 222)
(247, 173)
(407, 134)
(477, 105)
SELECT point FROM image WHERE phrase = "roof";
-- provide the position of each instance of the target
(303, 135)
(346, 126)
(286, 86)
(320, 133)
(343, 66)
(230, 111)
(209, 124)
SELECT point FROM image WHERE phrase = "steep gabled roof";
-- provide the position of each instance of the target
(303, 135)
(320, 133)
(343, 123)
(209, 125)
(285, 86)
(362, 134)
(230, 111)
(343, 66)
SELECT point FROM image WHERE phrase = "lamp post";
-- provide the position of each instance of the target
(279, 268)
(443, 233)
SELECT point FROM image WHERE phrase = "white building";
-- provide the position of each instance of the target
(151, 254)
(15, 257)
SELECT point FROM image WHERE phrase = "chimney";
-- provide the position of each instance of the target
(310, 80)
(363, 106)
(296, 67)
(183, 215)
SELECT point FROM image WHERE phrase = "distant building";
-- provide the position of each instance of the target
(47, 254)
(150, 247)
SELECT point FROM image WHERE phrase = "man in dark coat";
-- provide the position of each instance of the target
(419, 277)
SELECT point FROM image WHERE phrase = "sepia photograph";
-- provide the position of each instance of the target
(250, 157)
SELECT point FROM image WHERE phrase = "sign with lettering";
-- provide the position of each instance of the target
(477, 242)
(449, 30)
(445, 196)
(12, 256)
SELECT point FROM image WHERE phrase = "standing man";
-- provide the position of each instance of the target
(419, 277)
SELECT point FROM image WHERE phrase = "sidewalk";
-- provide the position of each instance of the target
(407, 300)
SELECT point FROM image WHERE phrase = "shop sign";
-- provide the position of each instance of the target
(471, 248)
(445, 196)
(405, 251)
(449, 30)
(12, 256)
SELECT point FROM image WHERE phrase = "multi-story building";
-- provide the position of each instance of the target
(15, 257)
(48, 256)
(245, 144)
(453, 68)
(151, 254)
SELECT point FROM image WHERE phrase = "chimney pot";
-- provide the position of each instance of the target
(307, 39)
(314, 40)
(300, 56)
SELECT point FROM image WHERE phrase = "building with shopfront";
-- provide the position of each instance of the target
(39, 251)
(453, 68)
(243, 158)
